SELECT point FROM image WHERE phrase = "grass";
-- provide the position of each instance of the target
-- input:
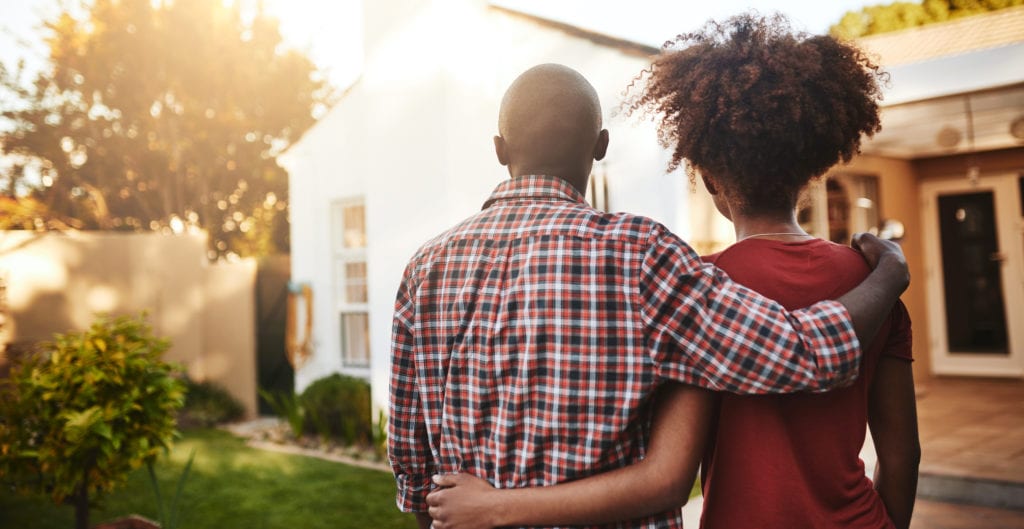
(233, 486)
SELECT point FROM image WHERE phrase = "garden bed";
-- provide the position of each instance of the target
(275, 435)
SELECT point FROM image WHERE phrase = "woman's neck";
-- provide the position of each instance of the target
(779, 226)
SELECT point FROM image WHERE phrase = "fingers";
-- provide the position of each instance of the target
(870, 246)
(446, 480)
(434, 500)
(856, 240)
(435, 497)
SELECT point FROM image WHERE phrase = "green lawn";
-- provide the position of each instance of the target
(232, 486)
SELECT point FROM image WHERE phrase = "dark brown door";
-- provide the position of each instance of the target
(972, 275)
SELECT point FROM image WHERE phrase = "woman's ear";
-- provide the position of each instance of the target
(709, 183)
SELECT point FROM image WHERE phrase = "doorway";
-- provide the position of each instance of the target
(974, 250)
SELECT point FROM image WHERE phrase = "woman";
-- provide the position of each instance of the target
(758, 111)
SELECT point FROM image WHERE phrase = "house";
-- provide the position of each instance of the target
(407, 153)
(949, 165)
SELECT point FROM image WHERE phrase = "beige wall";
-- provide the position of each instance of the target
(58, 282)
(229, 330)
(898, 197)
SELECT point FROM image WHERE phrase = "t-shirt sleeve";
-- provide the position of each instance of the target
(900, 340)
(704, 329)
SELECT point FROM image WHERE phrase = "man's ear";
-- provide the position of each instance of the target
(501, 149)
(601, 146)
(709, 183)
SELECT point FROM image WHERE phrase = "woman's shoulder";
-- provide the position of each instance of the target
(834, 263)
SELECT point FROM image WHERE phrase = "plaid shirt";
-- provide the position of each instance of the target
(528, 340)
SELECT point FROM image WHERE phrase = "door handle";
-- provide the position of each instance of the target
(997, 257)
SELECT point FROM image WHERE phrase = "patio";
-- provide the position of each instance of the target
(972, 443)
(973, 429)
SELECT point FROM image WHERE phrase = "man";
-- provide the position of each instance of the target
(529, 338)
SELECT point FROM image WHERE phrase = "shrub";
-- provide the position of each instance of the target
(338, 406)
(208, 404)
(87, 410)
(288, 407)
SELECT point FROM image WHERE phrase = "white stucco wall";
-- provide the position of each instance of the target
(413, 137)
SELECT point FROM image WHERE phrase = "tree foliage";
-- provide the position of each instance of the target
(161, 116)
(94, 406)
(883, 18)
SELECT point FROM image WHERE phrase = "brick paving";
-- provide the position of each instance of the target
(972, 428)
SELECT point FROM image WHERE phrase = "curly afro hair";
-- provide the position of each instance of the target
(759, 107)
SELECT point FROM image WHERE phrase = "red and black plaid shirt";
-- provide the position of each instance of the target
(528, 340)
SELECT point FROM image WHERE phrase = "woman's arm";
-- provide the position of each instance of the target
(892, 416)
(662, 481)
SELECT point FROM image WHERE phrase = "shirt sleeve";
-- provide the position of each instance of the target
(706, 330)
(408, 446)
(899, 343)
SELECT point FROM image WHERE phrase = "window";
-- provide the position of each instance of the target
(839, 206)
(348, 224)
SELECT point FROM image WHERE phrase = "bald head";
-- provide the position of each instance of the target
(550, 123)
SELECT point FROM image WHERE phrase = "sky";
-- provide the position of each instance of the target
(653, 22)
(329, 30)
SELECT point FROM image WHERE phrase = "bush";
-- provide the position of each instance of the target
(208, 404)
(287, 406)
(86, 411)
(338, 407)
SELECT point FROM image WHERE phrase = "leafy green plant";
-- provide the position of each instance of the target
(168, 514)
(339, 406)
(380, 436)
(288, 407)
(208, 404)
(91, 407)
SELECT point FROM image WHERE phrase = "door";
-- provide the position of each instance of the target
(973, 244)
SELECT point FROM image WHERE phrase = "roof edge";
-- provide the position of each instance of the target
(626, 46)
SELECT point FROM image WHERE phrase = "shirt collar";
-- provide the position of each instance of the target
(534, 187)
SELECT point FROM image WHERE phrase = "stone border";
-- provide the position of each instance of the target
(319, 454)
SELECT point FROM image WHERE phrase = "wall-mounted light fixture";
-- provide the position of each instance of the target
(1017, 128)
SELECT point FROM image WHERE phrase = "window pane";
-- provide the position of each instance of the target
(350, 281)
(864, 212)
(355, 270)
(843, 205)
(355, 339)
(355, 292)
(838, 211)
(355, 226)
(350, 277)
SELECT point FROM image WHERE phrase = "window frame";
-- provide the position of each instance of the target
(342, 256)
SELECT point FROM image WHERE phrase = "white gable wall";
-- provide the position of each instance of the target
(413, 138)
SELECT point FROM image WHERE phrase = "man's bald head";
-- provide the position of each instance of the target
(550, 121)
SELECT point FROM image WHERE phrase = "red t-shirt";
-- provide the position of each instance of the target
(792, 461)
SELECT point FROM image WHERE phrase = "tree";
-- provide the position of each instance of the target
(883, 18)
(163, 116)
(95, 405)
